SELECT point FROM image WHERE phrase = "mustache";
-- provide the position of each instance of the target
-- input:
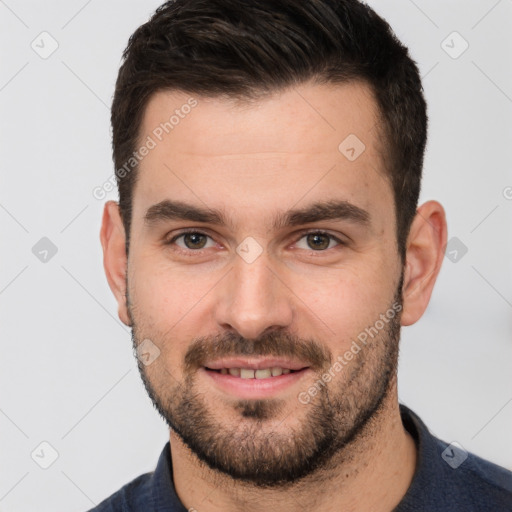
(279, 344)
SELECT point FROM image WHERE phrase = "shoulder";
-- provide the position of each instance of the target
(150, 491)
(130, 497)
(448, 478)
(476, 481)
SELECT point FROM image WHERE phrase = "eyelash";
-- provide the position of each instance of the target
(302, 234)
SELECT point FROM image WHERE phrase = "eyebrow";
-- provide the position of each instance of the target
(326, 210)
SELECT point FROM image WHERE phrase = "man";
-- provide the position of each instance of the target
(266, 248)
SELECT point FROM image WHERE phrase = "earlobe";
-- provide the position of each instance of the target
(112, 236)
(424, 256)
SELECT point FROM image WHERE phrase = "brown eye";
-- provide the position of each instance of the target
(317, 241)
(194, 240)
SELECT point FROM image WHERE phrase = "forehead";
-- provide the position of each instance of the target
(307, 142)
(315, 118)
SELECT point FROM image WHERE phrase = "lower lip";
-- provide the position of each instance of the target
(254, 388)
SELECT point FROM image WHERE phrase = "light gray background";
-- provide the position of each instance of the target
(68, 376)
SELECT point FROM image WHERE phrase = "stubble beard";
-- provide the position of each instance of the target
(261, 448)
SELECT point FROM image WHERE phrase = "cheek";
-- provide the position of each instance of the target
(347, 303)
(164, 294)
(170, 308)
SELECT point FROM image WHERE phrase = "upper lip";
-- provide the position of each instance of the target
(255, 363)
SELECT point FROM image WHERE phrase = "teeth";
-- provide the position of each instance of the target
(246, 373)
(276, 372)
(263, 374)
(249, 373)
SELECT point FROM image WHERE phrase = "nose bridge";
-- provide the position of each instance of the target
(253, 300)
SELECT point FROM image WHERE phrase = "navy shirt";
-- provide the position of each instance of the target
(447, 479)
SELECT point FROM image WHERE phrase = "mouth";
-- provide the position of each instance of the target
(256, 378)
(250, 373)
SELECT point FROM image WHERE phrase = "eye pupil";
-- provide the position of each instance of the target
(318, 241)
(194, 240)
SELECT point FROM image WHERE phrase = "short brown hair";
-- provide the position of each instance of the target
(250, 48)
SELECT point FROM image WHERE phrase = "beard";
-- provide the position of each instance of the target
(265, 446)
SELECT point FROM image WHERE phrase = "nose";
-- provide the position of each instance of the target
(253, 300)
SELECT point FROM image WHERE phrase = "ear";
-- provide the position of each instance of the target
(113, 238)
(424, 255)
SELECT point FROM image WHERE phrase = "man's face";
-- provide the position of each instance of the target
(294, 268)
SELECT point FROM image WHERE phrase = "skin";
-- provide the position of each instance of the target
(254, 161)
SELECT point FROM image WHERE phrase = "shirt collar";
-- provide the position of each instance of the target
(164, 497)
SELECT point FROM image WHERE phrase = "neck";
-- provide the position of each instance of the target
(375, 473)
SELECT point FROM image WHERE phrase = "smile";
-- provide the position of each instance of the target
(249, 373)
(251, 378)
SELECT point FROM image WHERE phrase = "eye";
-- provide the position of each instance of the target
(318, 241)
(192, 240)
